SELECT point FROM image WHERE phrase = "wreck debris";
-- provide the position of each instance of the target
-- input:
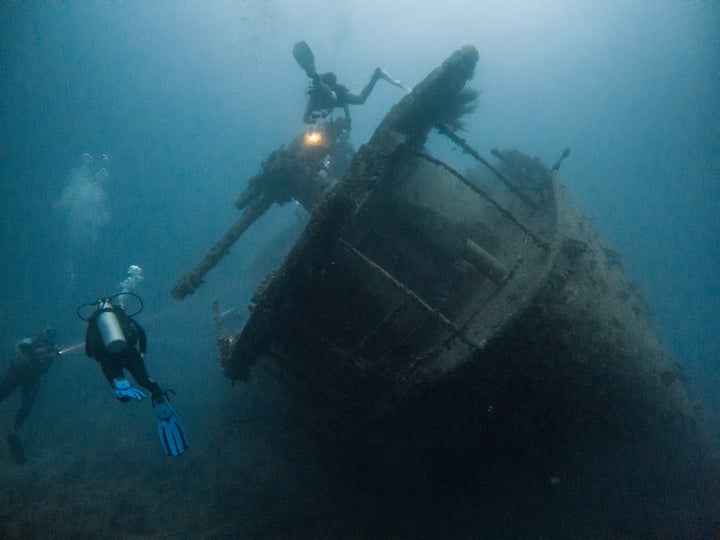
(297, 172)
(485, 263)
(565, 155)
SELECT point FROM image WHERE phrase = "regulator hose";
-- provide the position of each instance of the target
(81, 308)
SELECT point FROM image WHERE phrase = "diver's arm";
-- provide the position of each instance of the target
(34, 349)
(142, 337)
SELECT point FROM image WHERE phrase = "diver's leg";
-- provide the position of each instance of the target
(359, 99)
(112, 369)
(385, 76)
(136, 366)
(29, 390)
(8, 383)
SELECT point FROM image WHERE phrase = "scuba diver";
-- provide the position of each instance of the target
(35, 354)
(324, 93)
(118, 342)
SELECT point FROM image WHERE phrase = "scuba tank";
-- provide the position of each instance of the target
(111, 332)
(109, 326)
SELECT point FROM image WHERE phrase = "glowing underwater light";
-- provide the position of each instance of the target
(313, 138)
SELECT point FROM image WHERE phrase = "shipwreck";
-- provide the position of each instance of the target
(445, 319)
(410, 273)
(424, 307)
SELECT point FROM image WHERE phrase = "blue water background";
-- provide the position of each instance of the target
(175, 104)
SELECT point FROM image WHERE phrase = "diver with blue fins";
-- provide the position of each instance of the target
(118, 343)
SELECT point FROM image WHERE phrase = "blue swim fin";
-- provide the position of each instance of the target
(170, 429)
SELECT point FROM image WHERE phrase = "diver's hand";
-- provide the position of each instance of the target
(124, 390)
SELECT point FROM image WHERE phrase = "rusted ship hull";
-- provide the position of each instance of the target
(410, 273)
(471, 337)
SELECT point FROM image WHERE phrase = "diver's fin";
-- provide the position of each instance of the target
(305, 59)
(15, 449)
(385, 76)
(170, 429)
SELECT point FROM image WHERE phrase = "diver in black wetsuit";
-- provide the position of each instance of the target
(325, 93)
(35, 355)
(118, 342)
(129, 356)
